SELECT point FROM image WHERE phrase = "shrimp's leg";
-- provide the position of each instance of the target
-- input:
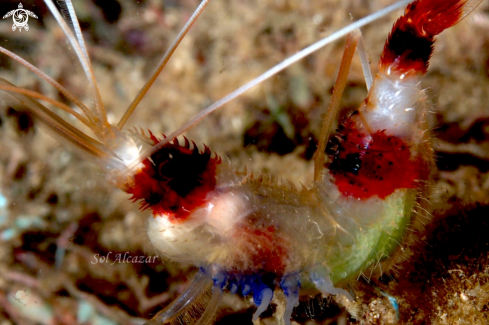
(210, 311)
(262, 296)
(339, 87)
(320, 278)
(291, 286)
(180, 308)
(265, 297)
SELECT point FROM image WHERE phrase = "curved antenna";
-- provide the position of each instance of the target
(84, 60)
(162, 64)
(276, 69)
(68, 12)
(53, 83)
(37, 95)
(62, 128)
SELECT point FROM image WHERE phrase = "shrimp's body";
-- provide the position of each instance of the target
(251, 234)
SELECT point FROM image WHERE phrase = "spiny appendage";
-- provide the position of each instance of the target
(410, 44)
(364, 164)
(175, 180)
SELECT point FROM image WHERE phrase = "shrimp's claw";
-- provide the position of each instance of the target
(410, 44)
(197, 305)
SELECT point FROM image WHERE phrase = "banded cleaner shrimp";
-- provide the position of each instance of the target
(72, 292)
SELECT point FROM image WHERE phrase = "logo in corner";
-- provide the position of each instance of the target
(20, 17)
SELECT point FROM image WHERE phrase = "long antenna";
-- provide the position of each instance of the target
(83, 57)
(162, 64)
(53, 82)
(276, 69)
(68, 12)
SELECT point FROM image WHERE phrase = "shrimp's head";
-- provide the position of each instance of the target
(175, 180)
(174, 183)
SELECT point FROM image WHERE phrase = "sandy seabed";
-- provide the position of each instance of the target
(62, 225)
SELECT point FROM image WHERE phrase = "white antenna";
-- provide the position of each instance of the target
(83, 57)
(162, 64)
